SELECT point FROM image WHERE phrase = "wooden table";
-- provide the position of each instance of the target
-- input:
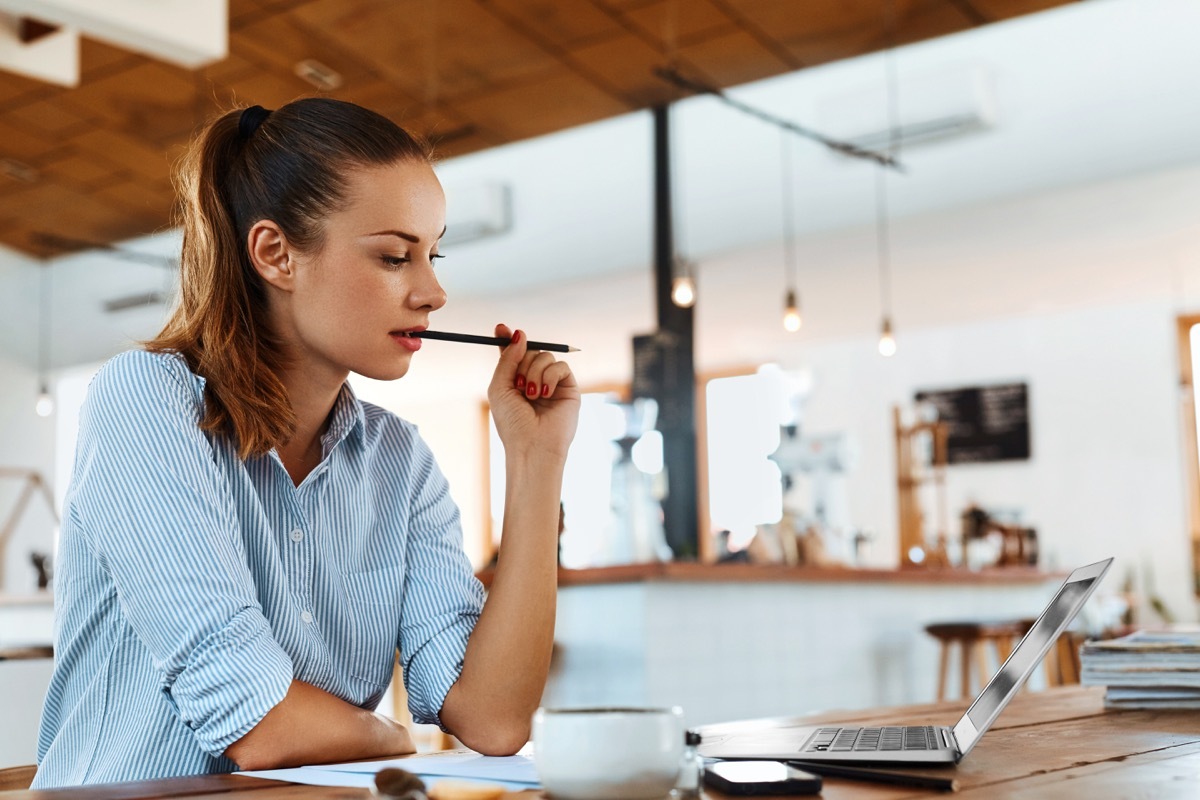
(1060, 743)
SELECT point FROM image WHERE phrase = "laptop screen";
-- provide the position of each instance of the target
(1028, 654)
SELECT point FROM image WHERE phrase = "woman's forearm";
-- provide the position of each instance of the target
(508, 656)
(311, 726)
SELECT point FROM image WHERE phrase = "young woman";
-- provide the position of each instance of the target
(246, 544)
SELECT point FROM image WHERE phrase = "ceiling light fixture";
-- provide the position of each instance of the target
(683, 271)
(44, 406)
(683, 288)
(887, 338)
(792, 320)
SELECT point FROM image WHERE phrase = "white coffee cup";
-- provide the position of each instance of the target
(608, 753)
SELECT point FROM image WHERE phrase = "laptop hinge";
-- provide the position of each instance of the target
(949, 740)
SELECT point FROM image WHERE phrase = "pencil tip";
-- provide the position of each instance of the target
(572, 349)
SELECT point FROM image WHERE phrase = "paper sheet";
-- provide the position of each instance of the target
(514, 773)
(518, 769)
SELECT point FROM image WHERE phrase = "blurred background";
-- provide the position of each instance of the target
(944, 264)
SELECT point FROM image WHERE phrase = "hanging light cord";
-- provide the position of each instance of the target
(882, 233)
(790, 259)
(672, 75)
(43, 356)
(882, 244)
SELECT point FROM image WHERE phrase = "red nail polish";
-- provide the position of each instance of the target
(520, 381)
(546, 390)
(516, 337)
(533, 390)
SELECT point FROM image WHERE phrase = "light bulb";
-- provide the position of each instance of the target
(887, 342)
(683, 291)
(45, 404)
(791, 313)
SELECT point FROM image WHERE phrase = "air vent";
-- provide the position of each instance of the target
(324, 78)
(477, 211)
(18, 170)
(132, 301)
(931, 107)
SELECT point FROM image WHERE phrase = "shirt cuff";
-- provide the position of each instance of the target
(436, 667)
(232, 679)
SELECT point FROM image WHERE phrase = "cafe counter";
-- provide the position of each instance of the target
(735, 641)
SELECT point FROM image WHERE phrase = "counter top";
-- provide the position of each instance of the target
(28, 599)
(691, 572)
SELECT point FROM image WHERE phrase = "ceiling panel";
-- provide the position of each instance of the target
(93, 162)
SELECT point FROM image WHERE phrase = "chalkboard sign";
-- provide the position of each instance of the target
(985, 423)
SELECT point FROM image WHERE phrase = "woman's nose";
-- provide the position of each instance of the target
(429, 292)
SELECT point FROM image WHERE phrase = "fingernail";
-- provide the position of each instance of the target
(520, 381)
(532, 390)
(516, 337)
(546, 390)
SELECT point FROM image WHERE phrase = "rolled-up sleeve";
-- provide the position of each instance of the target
(155, 512)
(442, 596)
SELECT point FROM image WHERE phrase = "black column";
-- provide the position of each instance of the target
(676, 381)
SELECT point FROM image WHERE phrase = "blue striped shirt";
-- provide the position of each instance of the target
(192, 587)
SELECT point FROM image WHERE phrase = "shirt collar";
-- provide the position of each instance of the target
(348, 417)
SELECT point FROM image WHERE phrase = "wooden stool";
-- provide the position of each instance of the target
(971, 638)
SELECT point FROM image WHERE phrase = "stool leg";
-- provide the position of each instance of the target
(943, 669)
(1051, 663)
(982, 663)
(968, 651)
(1068, 658)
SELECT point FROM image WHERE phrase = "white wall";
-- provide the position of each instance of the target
(26, 442)
(1075, 291)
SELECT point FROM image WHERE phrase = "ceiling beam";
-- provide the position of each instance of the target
(52, 57)
(190, 33)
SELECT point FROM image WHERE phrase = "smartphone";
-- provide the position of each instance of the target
(759, 777)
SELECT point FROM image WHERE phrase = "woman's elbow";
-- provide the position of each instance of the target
(498, 739)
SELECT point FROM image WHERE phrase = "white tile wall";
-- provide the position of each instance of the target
(727, 651)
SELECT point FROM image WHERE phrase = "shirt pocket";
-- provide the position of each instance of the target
(376, 598)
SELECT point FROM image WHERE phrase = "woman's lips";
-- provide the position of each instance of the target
(409, 343)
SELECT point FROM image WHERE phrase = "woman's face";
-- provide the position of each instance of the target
(373, 277)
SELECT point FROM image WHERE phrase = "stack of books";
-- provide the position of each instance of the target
(1147, 669)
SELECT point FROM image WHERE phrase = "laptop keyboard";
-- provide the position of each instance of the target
(912, 737)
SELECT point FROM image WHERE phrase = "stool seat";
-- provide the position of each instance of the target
(971, 636)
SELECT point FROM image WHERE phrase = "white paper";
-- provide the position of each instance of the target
(314, 777)
(515, 769)
(514, 773)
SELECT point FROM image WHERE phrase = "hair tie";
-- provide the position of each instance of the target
(251, 118)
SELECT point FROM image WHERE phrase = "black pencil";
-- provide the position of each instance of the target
(857, 773)
(496, 341)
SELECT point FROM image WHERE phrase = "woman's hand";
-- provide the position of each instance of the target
(534, 399)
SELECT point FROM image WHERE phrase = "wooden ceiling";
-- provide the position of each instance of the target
(92, 163)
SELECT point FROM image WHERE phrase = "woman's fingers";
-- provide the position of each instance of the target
(532, 368)
(553, 375)
(511, 357)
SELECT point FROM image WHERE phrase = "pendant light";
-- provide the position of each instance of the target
(792, 319)
(887, 338)
(44, 406)
(683, 281)
(683, 288)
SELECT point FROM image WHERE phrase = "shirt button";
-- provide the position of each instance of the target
(297, 535)
(307, 617)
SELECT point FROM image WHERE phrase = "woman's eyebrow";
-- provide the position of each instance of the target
(407, 236)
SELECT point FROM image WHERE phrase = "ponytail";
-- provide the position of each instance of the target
(287, 166)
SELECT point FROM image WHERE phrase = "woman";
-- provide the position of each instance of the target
(246, 544)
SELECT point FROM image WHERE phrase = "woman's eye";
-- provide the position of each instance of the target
(394, 262)
(435, 255)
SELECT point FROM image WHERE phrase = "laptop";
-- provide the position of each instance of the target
(917, 744)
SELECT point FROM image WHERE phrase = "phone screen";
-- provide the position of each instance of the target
(760, 777)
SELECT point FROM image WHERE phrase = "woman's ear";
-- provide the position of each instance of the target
(270, 255)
